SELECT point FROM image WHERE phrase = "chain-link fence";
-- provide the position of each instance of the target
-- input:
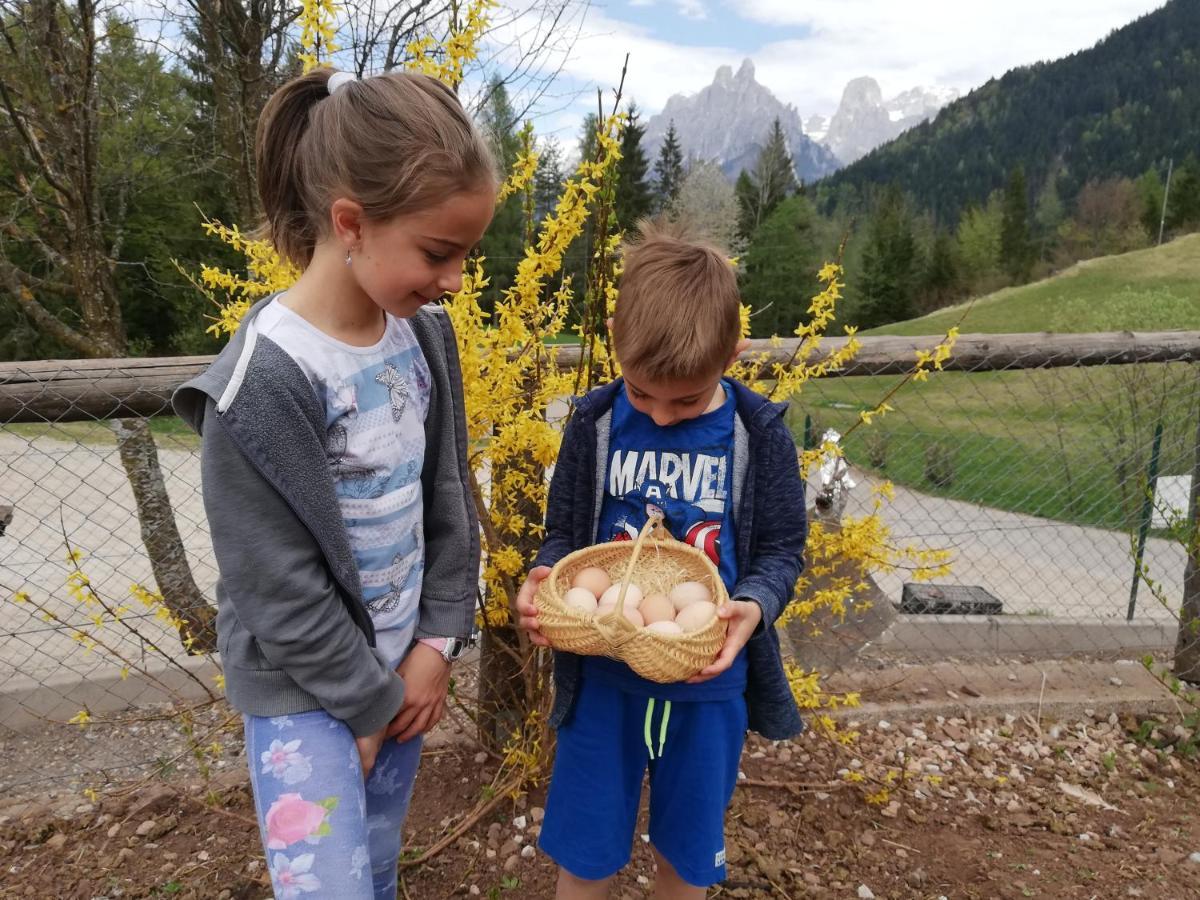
(1050, 470)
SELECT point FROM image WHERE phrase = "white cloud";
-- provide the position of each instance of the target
(657, 68)
(931, 42)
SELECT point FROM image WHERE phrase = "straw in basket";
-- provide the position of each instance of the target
(656, 562)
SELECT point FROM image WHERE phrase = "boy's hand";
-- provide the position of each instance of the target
(426, 677)
(526, 609)
(743, 616)
(368, 749)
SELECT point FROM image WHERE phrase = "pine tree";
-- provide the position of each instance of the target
(773, 179)
(1150, 188)
(548, 179)
(941, 280)
(633, 200)
(668, 171)
(781, 266)
(587, 137)
(1016, 245)
(504, 240)
(1183, 199)
(890, 264)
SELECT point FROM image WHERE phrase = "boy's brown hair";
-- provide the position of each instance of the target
(678, 315)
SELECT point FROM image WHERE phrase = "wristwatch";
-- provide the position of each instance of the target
(451, 648)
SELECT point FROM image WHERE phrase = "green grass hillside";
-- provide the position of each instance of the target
(1148, 290)
(1066, 444)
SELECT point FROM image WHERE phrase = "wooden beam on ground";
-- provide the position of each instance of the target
(96, 389)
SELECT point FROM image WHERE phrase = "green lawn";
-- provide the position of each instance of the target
(1067, 444)
(169, 431)
(1148, 290)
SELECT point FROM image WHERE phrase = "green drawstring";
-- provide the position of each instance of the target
(647, 729)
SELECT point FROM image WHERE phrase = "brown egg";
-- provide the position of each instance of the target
(633, 596)
(631, 614)
(695, 616)
(581, 599)
(689, 592)
(657, 608)
(593, 579)
(667, 627)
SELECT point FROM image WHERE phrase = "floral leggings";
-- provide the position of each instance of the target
(327, 833)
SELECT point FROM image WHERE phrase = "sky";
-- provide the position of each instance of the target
(806, 51)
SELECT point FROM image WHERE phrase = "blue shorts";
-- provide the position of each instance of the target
(692, 750)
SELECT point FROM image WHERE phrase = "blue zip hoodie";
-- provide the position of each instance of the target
(769, 519)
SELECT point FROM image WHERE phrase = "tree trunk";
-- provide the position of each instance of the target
(501, 687)
(1187, 646)
(160, 535)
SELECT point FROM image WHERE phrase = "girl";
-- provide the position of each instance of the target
(334, 469)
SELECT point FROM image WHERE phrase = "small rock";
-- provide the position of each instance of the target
(225, 894)
(970, 691)
(1195, 858)
(519, 823)
(916, 878)
(254, 865)
(57, 841)
(114, 829)
(953, 696)
(146, 827)
(1115, 681)
(865, 893)
(527, 852)
(891, 810)
(481, 758)
(474, 890)
(511, 863)
(643, 880)
(123, 854)
(536, 813)
(811, 879)
(1012, 676)
(202, 856)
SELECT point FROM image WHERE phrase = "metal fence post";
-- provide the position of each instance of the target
(1187, 645)
(1147, 515)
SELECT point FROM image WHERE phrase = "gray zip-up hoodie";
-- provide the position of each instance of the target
(293, 631)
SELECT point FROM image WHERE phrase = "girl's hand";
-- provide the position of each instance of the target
(368, 749)
(527, 610)
(426, 677)
(743, 616)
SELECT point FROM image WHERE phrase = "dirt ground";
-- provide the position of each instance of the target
(978, 808)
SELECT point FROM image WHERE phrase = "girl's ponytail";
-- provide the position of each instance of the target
(280, 163)
(395, 143)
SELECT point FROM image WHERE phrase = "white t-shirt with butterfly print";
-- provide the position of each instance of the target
(376, 399)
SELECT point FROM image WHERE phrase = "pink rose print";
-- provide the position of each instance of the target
(291, 818)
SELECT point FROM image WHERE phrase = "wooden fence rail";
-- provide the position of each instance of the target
(93, 389)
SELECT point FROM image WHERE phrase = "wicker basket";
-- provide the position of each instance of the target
(657, 562)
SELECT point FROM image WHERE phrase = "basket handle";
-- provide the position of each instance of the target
(654, 525)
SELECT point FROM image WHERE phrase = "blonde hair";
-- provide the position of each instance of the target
(678, 315)
(395, 143)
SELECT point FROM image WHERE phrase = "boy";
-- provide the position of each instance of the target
(717, 460)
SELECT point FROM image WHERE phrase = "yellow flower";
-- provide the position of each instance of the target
(83, 717)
